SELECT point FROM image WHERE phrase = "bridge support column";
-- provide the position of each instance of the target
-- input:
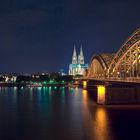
(125, 70)
(84, 84)
(130, 64)
(137, 63)
(133, 71)
(101, 94)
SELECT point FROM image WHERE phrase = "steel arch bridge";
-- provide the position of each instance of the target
(125, 64)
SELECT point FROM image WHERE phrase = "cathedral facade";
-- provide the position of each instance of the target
(78, 65)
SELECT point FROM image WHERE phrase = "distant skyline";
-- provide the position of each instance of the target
(39, 35)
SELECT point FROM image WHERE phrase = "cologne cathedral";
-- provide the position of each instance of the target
(78, 65)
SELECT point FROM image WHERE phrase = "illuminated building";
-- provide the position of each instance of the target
(78, 65)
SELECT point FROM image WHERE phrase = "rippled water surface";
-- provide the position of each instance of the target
(63, 114)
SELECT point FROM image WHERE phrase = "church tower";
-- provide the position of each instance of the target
(81, 56)
(74, 57)
(78, 65)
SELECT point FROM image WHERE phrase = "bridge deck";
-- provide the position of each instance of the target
(129, 82)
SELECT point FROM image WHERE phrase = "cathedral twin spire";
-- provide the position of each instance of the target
(78, 65)
(80, 59)
(74, 57)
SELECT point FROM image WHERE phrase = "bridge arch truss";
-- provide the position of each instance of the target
(124, 64)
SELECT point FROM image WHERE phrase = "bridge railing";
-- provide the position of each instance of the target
(128, 79)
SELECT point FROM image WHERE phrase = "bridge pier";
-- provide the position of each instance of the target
(118, 95)
(101, 91)
(114, 92)
(84, 84)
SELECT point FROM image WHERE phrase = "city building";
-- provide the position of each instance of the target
(78, 65)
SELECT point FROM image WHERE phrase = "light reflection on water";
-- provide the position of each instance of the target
(63, 113)
(95, 119)
(101, 126)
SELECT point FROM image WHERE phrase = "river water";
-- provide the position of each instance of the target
(63, 114)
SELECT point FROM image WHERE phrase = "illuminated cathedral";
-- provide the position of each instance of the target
(78, 65)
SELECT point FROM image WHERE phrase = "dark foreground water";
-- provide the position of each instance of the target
(63, 114)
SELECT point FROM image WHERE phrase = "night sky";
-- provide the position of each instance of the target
(39, 35)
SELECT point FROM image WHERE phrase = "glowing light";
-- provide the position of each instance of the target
(84, 84)
(101, 94)
(84, 101)
(84, 91)
(76, 91)
(101, 131)
(39, 88)
(7, 78)
(50, 89)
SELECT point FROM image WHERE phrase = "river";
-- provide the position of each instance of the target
(63, 114)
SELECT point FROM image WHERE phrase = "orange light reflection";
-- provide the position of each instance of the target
(101, 124)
